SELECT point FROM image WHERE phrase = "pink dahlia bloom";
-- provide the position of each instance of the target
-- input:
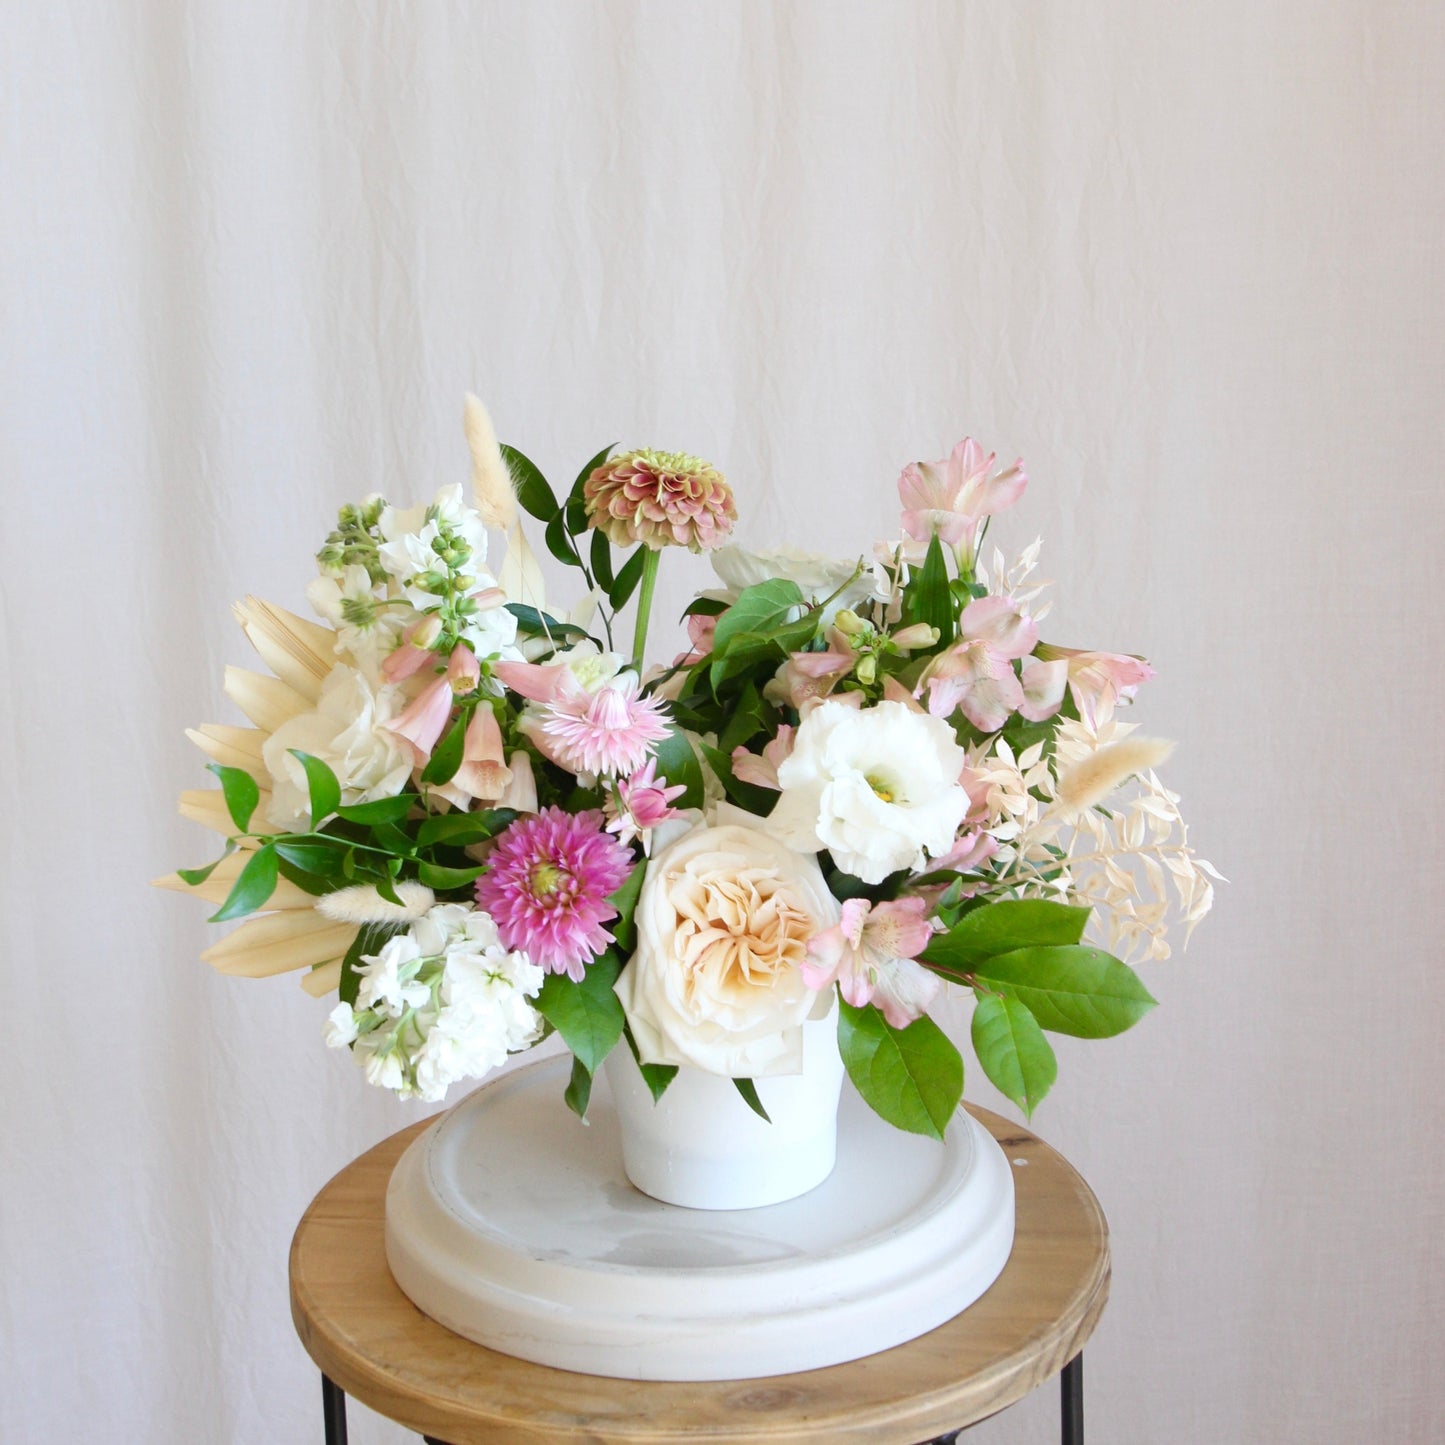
(548, 884)
(660, 499)
(605, 732)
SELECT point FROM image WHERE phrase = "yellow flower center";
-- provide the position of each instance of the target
(547, 879)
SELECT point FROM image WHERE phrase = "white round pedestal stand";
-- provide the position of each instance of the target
(512, 1223)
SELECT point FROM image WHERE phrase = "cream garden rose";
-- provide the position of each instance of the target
(723, 925)
(877, 787)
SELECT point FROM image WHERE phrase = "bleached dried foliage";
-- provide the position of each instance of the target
(1129, 859)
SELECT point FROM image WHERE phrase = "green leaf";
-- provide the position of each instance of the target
(1084, 992)
(746, 721)
(369, 940)
(677, 762)
(321, 782)
(459, 829)
(382, 810)
(579, 1089)
(1013, 1051)
(196, 876)
(253, 886)
(580, 480)
(434, 875)
(750, 796)
(624, 900)
(602, 560)
(927, 597)
(530, 485)
(447, 758)
(619, 594)
(319, 858)
(749, 1090)
(705, 607)
(240, 791)
(1002, 927)
(758, 608)
(656, 1076)
(747, 649)
(542, 624)
(559, 544)
(912, 1077)
(589, 1014)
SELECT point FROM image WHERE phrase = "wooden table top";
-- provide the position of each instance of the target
(377, 1346)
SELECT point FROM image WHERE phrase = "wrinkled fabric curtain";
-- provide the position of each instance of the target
(1185, 260)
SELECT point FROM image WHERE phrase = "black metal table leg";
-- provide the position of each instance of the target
(333, 1410)
(1071, 1400)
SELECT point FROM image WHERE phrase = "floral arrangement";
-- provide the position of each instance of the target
(481, 821)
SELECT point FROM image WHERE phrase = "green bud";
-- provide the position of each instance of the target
(867, 669)
(371, 509)
(849, 623)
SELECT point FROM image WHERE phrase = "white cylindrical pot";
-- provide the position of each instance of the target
(700, 1145)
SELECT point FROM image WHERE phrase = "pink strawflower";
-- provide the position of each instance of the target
(605, 732)
(660, 499)
(547, 887)
(870, 953)
(641, 803)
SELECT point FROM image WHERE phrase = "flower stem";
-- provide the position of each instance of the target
(650, 560)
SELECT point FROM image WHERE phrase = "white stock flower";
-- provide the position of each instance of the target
(345, 731)
(383, 987)
(340, 1030)
(877, 787)
(367, 627)
(723, 924)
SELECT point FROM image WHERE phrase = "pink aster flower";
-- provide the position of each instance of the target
(641, 803)
(870, 954)
(660, 499)
(548, 885)
(605, 732)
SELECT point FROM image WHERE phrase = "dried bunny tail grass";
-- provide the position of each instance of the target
(491, 481)
(1094, 777)
(363, 904)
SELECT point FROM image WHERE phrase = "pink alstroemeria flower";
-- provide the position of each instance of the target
(1098, 680)
(808, 676)
(952, 496)
(976, 676)
(870, 953)
(762, 771)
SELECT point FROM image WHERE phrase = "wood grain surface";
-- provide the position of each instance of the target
(373, 1342)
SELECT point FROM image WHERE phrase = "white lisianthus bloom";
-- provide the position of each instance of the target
(877, 787)
(345, 731)
(723, 924)
(817, 576)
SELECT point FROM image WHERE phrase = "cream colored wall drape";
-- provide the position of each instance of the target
(1185, 259)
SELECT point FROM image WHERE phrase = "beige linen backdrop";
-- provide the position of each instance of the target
(1185, 259)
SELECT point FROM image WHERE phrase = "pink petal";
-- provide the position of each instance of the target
(998, 623)
(532, 680)
(903, 991)
(1043, 685)
(421, 724)
(898, 928)
(854, 919)
(483, 772)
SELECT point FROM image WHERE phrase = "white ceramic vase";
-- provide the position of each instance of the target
(701, 1145)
